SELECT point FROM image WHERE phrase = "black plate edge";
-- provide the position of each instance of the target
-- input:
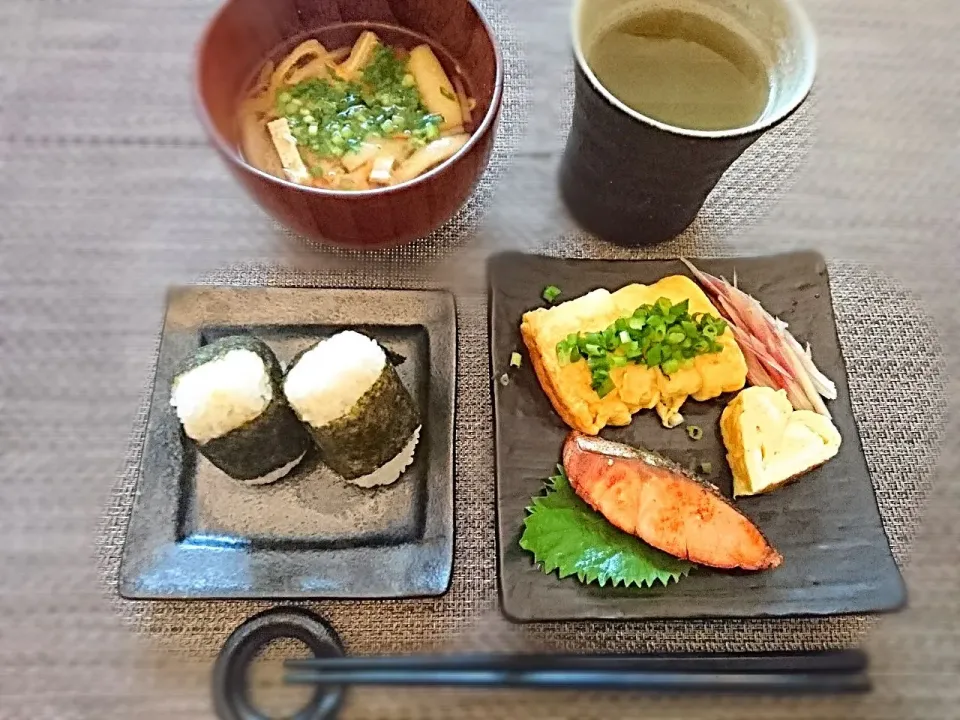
(900, 601)
(498, 545)
(445, 316)
(449, 318)
(128, 591)
(125, 584)
(520, 619)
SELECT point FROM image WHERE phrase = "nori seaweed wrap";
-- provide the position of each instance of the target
(233, 409)
(348, 393)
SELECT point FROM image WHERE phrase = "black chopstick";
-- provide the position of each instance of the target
(838, 661)
(822, 672)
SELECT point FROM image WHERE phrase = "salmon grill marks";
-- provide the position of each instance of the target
(649, 496)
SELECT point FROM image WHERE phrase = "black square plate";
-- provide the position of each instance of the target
(827, 525)
(196, 533)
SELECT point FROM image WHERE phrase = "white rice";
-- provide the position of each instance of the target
(328, 380)
(274, 475)
(391, 471)
(221, 395)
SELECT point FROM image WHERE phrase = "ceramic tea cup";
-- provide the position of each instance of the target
(635, 180)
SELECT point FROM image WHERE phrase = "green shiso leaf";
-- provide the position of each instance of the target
(566, 535)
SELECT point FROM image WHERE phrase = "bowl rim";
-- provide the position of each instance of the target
(232, 155)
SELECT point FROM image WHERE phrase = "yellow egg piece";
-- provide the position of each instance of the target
(636, 387)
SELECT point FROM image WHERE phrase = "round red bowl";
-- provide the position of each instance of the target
(245, 33)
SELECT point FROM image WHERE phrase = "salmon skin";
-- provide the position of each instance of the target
(653, 498)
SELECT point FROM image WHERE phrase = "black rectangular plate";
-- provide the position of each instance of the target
(195, 533)
(827, 525)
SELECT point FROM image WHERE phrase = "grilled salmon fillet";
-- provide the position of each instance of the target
(656, 500)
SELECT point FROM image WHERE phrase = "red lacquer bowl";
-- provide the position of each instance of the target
(244, 33)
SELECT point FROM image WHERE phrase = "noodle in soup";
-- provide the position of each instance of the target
(355, 118)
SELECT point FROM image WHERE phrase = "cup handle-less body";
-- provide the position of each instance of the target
(636, 181)
(632, 183)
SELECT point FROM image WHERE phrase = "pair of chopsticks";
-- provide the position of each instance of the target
(842, 671)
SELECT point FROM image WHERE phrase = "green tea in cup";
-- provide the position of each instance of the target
(683, 69)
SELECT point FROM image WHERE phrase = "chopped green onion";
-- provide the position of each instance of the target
(599, 363)
(551, 293)
(504, 379)
(605, 387)
(384, 101)
(695, 432)
(610, 338)
(654, 355)
(662, 335)
(515, 359)
(706, 467)
(631, 350)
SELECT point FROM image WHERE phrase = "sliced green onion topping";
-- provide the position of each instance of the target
(695, 432)
(515, 359)
(551, 293)
(330, 117)
(706, 467)
(604, 386)
(661, 335)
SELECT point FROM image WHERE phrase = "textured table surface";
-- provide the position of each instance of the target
(108, 194)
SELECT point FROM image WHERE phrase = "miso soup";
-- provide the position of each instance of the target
(355, 117)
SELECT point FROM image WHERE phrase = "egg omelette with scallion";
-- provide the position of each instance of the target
(604, 356)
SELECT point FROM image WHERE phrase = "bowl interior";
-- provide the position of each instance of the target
(245, 33)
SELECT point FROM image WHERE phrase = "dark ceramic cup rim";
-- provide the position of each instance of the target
(804, 29)
(229, 151)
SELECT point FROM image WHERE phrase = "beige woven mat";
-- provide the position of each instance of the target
(108, 194)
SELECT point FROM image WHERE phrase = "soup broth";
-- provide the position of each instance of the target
(366, 108)
(682, 69)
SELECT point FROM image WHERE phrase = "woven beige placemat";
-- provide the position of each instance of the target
(467, 616)
(108, 193)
